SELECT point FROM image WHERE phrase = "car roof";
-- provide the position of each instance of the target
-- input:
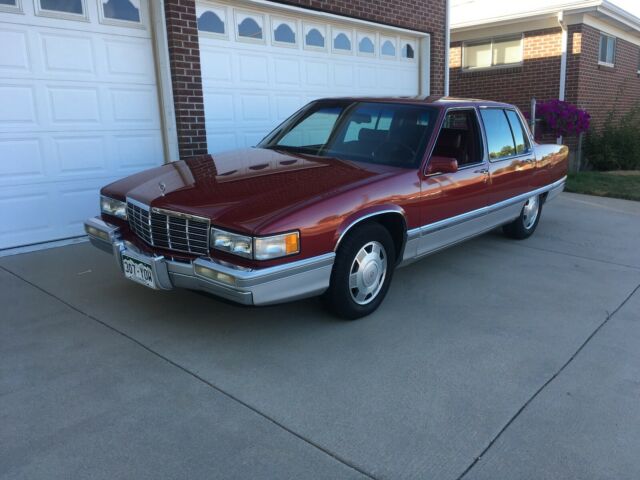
(435, 101)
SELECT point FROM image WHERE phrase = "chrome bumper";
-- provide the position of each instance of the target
(265, 286)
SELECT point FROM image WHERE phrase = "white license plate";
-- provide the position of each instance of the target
(138, 271)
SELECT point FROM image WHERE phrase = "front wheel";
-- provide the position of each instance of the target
(524, 226)
(361, 273)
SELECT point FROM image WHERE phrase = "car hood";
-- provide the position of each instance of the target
(245, 189)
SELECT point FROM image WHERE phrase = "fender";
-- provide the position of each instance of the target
(356, 218)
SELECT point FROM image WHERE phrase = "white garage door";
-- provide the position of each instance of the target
(78, 109)
(260, 65)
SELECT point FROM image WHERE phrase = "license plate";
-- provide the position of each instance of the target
(138, 271)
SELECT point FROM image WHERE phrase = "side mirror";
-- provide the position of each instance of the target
(439, 164)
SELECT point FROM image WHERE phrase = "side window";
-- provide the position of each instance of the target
(499, 137)
(519, 133)
(459, 138)
(313, 131)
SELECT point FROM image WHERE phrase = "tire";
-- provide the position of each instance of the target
(524, 226)
(361, 273)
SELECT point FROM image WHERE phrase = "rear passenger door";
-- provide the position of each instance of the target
(511, 154)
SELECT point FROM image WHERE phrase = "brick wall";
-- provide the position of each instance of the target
(596, 88)
(184, 58)
(422, 15)
(537, 77)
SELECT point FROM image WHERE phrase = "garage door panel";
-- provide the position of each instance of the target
(16, 58)
(79, 109)
(268, 80)
(67, 53)
(81, 155)
(21, 159)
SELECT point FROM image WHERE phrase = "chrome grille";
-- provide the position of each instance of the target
(169, 230)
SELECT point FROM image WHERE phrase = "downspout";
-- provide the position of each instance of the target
(447, 42)
(563, 61)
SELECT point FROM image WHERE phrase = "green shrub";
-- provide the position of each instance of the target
(617, 146)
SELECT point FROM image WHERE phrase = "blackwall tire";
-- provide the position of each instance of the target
(362, 272)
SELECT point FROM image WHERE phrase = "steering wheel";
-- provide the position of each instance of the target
(394, 150)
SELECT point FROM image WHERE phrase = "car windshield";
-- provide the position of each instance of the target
(374, 132)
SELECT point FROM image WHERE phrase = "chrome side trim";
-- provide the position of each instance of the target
(365, 217)
(449, 222)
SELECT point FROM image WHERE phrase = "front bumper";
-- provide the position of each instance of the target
(265, 286)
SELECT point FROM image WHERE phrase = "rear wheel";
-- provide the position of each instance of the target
(524, 226)
(361, 273)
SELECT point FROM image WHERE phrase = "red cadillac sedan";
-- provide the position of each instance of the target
(332, 201)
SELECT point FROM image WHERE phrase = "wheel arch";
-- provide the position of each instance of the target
(393, 219)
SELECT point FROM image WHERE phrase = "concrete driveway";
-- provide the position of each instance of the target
(494, 359)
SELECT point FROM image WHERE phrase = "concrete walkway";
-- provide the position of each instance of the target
(493, 359)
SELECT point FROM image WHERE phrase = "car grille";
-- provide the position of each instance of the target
(169, 230)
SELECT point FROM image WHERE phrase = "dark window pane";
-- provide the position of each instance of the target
(366, 45)
(388, 48)
(407, 51)
(314, 38)
(284, 34)
(13, 3)
(459, 138)
(522, 143)
(249, 28)
(342, 42)
(499, 137)
(121, 10)
(66, 6)
(210, 22)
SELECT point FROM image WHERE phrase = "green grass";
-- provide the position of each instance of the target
(606, 184)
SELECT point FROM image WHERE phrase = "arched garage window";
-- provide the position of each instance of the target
(388, 48)
(314, 37)
(250, 27)
(284, 32)
(408, 51)
(211, 22)
(124, 10)
(366, 44)
(342, 42)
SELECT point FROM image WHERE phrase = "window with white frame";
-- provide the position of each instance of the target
(212, 20)
(314, 36)
(284, 31)
(61, 8)
(341, 41)
(10, 6)
(120, 10)
(250, 27)
(387, 47)
(366, 44)
(494, 52)
(607, 50)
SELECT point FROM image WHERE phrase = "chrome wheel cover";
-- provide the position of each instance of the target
(530, 212)
(367, 273)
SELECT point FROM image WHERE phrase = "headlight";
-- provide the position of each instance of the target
(277, 246)
(114, 207)
(232, 243)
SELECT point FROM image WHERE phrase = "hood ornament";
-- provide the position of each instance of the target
(162, 187)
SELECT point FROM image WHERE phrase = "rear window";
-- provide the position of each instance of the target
(499, 136)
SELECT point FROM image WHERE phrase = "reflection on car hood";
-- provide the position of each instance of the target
(244, 189)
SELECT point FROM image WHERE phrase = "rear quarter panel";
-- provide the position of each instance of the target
(552, 163)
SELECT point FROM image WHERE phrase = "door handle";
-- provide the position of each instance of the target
(485, 172)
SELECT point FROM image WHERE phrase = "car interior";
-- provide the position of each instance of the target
(459, 138)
